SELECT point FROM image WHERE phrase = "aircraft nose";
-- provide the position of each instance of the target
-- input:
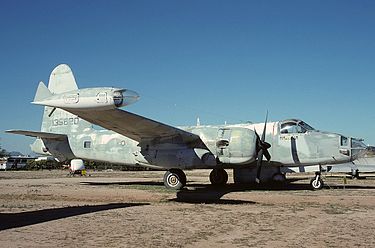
(358, 148)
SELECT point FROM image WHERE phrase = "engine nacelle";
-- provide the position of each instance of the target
(91, 98)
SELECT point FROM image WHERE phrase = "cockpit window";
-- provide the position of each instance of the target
(289, 127)
(295, 127)
(344, 141)
(305, 126)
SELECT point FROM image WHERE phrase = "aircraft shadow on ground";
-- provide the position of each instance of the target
(199, 193)
(141, 183)
(209, 194)
(14, 220)
(348, 186)
(213, 194)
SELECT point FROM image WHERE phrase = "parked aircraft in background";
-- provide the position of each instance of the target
(14, 162)
(255, 152)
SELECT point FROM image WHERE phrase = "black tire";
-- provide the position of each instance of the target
(316, 184)
(279, 178)
(174, 179)
(181, 175)
(218, 177)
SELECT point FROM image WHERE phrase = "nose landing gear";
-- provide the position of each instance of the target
(317, 182)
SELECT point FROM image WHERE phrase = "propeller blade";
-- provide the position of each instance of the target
(255, 131)
(266, 145)
(265, 127)
(259, 165)
(262, 147)
(267, 155)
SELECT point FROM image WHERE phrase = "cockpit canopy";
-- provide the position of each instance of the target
(294, 126)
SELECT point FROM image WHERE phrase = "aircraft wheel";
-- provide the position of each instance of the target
(279, 178)
(218, 176)
(181, 174)
(316, 183)
(174, 179)
(355, 174)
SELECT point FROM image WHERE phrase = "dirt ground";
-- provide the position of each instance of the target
(133, 209)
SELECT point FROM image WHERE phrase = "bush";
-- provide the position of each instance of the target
(93, 165)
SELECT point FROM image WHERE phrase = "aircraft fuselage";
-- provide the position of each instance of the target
(228, 145)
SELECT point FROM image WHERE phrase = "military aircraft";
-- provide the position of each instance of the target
(255, 152)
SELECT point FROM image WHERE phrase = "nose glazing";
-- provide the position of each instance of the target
(358, 148)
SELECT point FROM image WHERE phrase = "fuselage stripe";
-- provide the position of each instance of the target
(294, 150)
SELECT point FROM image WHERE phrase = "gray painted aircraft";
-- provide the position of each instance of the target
(255, 152)
(363, 164)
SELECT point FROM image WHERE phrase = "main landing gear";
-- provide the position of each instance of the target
(174, 179)
(317, 182)
(218, 176)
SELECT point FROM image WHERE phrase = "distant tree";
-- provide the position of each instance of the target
(3, 152)
(42, 165)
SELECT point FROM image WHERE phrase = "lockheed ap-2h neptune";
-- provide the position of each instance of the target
(255, 152)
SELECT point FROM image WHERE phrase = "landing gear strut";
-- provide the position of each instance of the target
(174, 179)
(355, 173)
(317, 182)
(218, 176)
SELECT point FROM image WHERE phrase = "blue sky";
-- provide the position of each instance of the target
(219, 60)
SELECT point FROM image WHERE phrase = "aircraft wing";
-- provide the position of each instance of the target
(137, 127)
(44, 135)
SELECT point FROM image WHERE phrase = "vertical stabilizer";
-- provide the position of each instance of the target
(56, 120)
(62, 80)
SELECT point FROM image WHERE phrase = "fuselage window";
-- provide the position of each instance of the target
(87, 144)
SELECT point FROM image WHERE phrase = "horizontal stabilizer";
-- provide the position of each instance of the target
(42, 135)
(42, 92)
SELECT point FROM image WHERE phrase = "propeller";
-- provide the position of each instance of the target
(262, 150)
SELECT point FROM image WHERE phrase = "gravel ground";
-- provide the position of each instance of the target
(133, 209)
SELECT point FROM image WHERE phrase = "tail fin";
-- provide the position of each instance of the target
(42, 92)
(57, 120)
(62, 80)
